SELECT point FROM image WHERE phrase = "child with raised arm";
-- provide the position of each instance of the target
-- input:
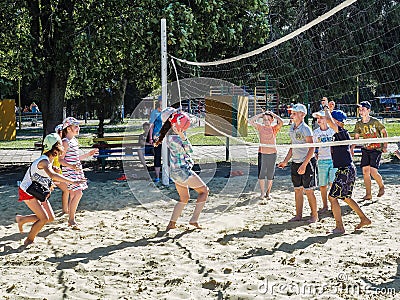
(42, 171)
(181, 165)
(326, 171)
(303, 168)
(342, 187)
(266, 154)
(73, 170)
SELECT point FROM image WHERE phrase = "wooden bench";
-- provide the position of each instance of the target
(117, 147)
(38, 145)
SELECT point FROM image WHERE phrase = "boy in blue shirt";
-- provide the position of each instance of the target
(342, 187)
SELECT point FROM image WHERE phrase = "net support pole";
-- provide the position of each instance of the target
(164, 153)
(358, 97)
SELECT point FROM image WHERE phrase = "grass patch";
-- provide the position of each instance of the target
(27, 137)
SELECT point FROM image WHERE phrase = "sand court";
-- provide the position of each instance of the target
(245, 251)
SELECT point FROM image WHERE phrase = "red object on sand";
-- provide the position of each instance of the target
(236, 173)
(181, 121)
(122, 178)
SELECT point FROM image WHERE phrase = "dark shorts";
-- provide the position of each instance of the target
(266, 165)
(306, 180)
(370, 158)
(149, 150)
(157, 156)
(343, 184)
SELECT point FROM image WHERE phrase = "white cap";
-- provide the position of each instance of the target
(299, 108)
(317, 114)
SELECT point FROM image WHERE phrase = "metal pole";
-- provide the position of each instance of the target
(306, 103)
(165, 158)
(358, 97)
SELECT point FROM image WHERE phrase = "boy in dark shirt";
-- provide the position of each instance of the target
(342, 187)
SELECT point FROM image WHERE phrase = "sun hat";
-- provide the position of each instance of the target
(50, 140)
(339, 115)
(70, 121)
(58, 128)
(299, 108)
(167, 112)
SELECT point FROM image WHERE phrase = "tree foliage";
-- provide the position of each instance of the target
(75, 50)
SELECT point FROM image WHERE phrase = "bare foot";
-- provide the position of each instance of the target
(338, 231)
(73, 225)
(262, 196)
(363, 223)
(324, 209)
(381, 191)
(195, 224)
(312, 220)
(65, 211)
(28, 242)
(171, 225)
(367, 197)
(295, 219)
(267, 197)
(18, 220)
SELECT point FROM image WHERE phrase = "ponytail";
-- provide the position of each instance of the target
(64, 133)
(163, 132)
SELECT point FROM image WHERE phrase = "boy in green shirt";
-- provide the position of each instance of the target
(369, 127)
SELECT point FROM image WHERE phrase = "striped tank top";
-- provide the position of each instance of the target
(72, 157)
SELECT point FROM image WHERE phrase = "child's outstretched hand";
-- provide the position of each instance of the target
(282, 165)
(94, 151)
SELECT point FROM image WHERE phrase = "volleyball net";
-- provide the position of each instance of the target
(349, 53)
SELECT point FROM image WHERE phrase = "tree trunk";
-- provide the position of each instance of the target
(54, 87)
(118, 96)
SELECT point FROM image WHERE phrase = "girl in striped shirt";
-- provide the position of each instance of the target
(73, 170)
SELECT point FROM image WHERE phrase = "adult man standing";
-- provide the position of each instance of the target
(303, 163)
(369, 127)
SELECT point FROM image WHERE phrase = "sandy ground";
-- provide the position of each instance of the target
(247, 249)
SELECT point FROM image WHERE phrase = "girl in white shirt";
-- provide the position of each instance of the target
(42, 170)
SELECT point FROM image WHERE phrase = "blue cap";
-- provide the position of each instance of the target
(339, 115)
(365, 104)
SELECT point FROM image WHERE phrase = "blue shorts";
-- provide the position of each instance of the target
(326, 172)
